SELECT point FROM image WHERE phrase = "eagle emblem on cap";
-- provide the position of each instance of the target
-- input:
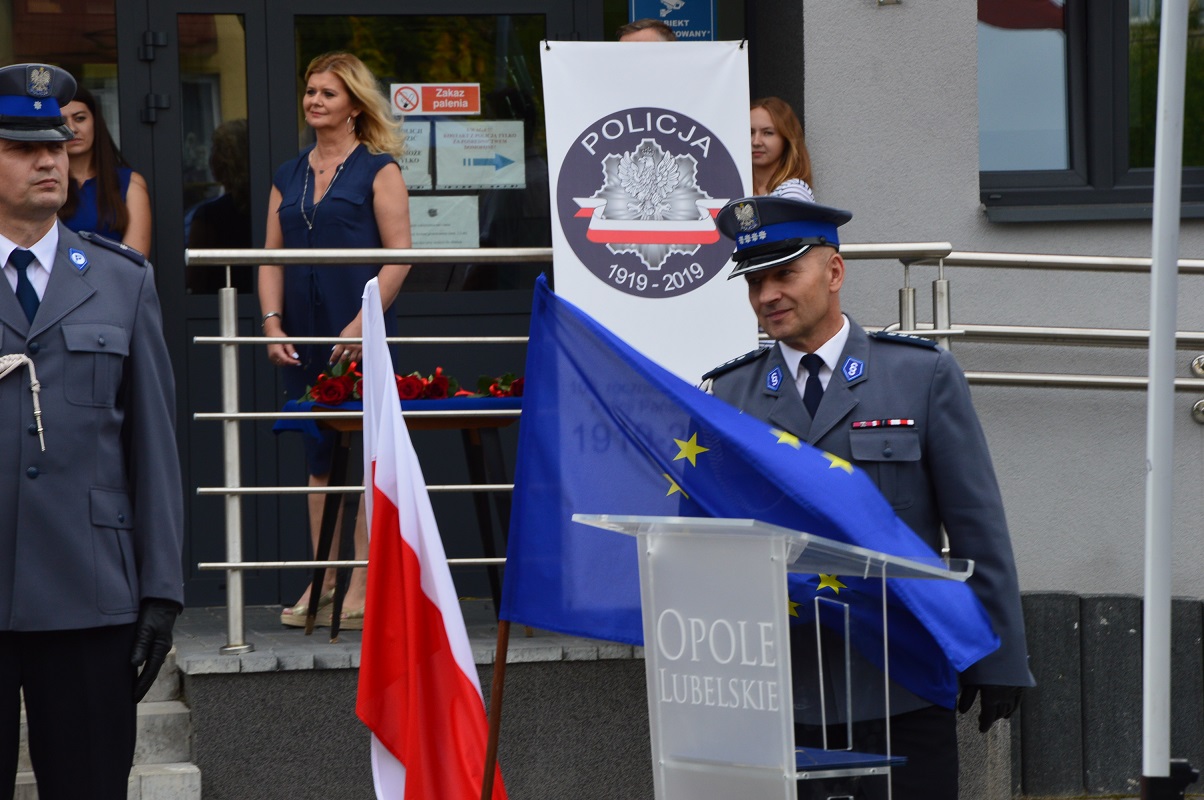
(38, 84)
(746, 216)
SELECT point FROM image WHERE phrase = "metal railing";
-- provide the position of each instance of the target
(939, 254)
(230, 417)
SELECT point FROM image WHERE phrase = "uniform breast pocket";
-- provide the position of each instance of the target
(96, 354)
(891, 457)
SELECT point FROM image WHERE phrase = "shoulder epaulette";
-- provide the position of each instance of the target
(904, 338)
(736, 362)
(115, 246)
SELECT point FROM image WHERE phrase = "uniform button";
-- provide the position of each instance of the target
(887, 451)
(100, 340)
(32, 429)
(121, 517)
(34, 347)
(32, 472)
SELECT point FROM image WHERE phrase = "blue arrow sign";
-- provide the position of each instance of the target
(497, 161)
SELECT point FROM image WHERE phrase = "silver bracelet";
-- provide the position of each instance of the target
(264, 322)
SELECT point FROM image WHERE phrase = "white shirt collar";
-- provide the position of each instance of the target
(43, 250)
(829, 352)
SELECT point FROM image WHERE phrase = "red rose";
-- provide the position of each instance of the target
(409, 387)
(330, 392)
(357, 388)
(436, 388)
(516, 387)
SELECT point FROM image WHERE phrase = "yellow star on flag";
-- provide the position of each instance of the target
(838, 462)
(690, 450)
(793, 608)
(831, 582)
(787, 438)
(673, 487)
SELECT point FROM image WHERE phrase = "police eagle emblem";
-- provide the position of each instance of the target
(38, 82)
(746, 216)
(648, 181)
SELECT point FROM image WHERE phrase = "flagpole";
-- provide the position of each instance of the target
(1162, 778)
(495, 706)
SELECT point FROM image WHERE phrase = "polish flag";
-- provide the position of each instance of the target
(418, 686)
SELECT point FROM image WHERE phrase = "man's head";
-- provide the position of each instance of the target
(788, 252)
(646, 30)
(33, 155)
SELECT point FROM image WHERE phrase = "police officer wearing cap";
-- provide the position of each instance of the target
(90, 494)
(899, 408)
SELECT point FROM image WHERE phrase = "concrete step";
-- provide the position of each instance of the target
(162, 753)
(164, 735)
(167, 682)
(147, 782)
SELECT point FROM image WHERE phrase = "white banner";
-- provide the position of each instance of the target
(646, 142)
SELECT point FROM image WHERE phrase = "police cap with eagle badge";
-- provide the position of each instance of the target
(32, 97)
(770, 231)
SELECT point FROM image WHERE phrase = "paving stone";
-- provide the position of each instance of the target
(165, 782)
(167, 682)
(164, 733)
(257, 661)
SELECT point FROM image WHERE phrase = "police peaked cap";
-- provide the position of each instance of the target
(32, 97)
(770, 231)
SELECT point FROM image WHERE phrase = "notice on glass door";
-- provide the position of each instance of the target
(415, 162)
(480, 155)
(444, 221)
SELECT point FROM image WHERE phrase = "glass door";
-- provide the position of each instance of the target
(223, 110)
(208, 140)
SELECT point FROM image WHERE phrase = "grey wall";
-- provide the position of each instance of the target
(891, 119)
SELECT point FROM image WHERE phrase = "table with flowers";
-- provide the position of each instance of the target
(338, 390)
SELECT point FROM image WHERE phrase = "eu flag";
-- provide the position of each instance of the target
(606, 431)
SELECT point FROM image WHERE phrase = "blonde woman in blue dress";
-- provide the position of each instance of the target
(344, 192)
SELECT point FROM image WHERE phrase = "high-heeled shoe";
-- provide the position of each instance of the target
(352, 619)
(295, 617)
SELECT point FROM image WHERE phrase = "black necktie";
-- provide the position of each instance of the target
(813, 392)
(27, 296)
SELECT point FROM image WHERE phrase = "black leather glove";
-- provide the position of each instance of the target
(152, 641)
(998, 702)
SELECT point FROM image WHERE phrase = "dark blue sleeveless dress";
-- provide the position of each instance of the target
(319, 300)
(86, 216)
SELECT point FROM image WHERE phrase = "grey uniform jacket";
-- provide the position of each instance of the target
(94, 524)
(937, 471)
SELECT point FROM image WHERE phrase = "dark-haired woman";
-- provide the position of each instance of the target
(104, 194)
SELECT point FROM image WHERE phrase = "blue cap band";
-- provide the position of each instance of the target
(25, 106)
(795, 229)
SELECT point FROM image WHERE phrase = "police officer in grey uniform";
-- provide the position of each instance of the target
(91, 504)
(899, 408)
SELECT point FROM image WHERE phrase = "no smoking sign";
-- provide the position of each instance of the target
(406, 98)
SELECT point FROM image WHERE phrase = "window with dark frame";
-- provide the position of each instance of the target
(1067, 101)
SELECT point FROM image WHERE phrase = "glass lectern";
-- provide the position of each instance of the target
(715, 613)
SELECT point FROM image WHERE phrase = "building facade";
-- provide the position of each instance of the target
(903, 104)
